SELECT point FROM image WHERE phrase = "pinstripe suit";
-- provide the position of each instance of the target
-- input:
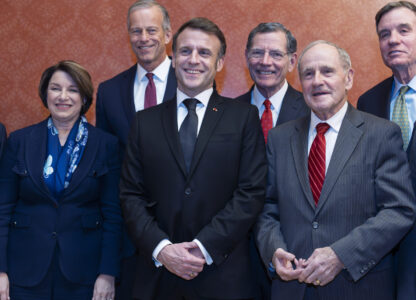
(365, 208)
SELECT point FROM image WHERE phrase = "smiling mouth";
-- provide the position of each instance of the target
(394, 52)
(193, 71)
(145, 47)
(320, 93)
(265, 72)
(61, 105)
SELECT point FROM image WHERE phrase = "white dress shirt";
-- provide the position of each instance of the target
(182, 112)
(257, 99)
(410, 98)
(331, 135)
(160, 78)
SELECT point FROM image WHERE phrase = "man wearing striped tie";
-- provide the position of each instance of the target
(339, 196)
(395, 99)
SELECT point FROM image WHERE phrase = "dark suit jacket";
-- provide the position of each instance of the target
(376, 101)
(293, 105)
(406, 261)
(3, 138)
(365, 208)
(84, 225)
(216, 203)
(115, 109)
(115, 113)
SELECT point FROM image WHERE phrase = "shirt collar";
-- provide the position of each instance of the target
(335, 121)
(159, 73)
(275, 99)
(397, 85)
(202, 97)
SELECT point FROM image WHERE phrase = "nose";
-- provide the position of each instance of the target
(317, 79)
(266, 60)
(394, 37)
(143, 36)
(194, 58)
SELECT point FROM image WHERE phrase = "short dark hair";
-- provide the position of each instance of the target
(206, 26)
(393, 5)
(148, 4)
(291, 43)
(80, 76)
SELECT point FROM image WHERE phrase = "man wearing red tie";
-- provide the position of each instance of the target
(271, 54)
(339, 196)
(149, 82)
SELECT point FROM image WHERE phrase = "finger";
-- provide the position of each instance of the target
(288, 274)
(306, 272)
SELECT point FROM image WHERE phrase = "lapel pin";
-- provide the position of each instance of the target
(215, 109)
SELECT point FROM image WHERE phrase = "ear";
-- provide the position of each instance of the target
(168, 36)
(292, 61)
(349, 78)
(220, 64)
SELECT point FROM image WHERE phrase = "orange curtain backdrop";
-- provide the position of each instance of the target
(35, 34)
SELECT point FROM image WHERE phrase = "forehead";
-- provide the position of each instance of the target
(320, 55)
(270, 40)
(195, 38)
(61, 77)
(397, 16)
(146, 16)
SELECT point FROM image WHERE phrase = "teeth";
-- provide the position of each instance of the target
(193, 71)
(145, 47)
(265, 72)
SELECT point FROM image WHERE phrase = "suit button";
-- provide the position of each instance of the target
(14, 223)
(315, 225)
(188, 191)
(362, 271)
(54, 235)
(365, 268)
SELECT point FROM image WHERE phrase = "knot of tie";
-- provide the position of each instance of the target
(403, 90)
(267, 104)
(191, 103)
(149, 76)
(322, 128)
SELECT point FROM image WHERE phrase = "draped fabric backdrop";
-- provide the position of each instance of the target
(35, 34)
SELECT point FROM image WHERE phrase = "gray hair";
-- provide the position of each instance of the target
(343, 55)
(147, 4)
(291, 43)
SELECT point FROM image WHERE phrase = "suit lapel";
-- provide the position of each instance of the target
(348, 137)
(170, 85)
(212, 114)
(385, 98)
(86, 162)
(36, 155)
(290, 106)
(127, 94)
(170, 127)
(299, 144)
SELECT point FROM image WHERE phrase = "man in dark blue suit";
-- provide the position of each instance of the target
(120, 97)
(193, 181)
(396, 96)
(271, 54)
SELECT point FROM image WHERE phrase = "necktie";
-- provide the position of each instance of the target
(266, 119)
(400, 116)
(316, 161)
(150, 93)
(188, 131)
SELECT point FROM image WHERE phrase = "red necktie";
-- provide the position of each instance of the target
(150, 94)
(266, 118)
(316, 161)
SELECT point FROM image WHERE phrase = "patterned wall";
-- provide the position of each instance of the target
(37, 33)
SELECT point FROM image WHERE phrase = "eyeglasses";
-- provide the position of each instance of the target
(259, 54)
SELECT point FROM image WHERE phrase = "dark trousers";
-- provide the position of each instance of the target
(53, 287)
(124, 288)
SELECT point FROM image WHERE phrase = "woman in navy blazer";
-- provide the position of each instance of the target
(60, 219)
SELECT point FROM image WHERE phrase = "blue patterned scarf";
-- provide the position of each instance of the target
(62, 161)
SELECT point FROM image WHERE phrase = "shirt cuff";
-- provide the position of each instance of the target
(204, 251)
(162, 244)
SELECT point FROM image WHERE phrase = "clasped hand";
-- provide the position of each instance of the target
(319, 269)
(183, 259)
